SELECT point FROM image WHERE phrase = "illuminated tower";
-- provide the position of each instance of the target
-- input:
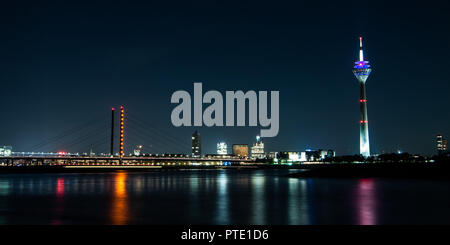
(121, 132)
(362, 71)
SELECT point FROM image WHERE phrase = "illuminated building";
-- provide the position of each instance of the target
(5, 151)
(316, 155)
(271, 155)
(362, 70)
(196, 145)
(303, 156)
(240, 150)
(293, 156)
(222, 148)
(257, 150)
(441, 144)
(323, 154)
(137, 150)
(326, 154)
(288, 157)
(310, 155)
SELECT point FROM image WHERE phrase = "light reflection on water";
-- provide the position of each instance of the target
(4, 191)
(366, 205)
(59, 202)
(217, 197)
(258, 205)
(120, 209)
(298, 202)
(222, 202)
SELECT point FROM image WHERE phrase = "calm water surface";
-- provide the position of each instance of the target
(218, 197)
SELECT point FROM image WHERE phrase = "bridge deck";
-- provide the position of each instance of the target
(102, 161)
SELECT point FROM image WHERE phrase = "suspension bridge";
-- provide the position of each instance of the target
(93, 144)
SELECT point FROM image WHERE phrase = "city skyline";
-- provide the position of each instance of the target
(66, 76)
(224, 121)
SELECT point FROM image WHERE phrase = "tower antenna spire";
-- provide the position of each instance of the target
(361, 55)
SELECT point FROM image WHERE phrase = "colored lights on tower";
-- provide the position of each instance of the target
(121, 152)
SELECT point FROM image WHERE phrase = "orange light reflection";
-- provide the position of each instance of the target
(120, 208)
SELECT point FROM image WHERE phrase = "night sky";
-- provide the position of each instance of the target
(64, 64)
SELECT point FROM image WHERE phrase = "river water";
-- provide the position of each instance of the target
(218, 197)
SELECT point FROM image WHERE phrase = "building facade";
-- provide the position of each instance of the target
(196, 144)
(441, 144)
(5, 151)
(222, 148)
(316, 155)
(257, 150)
(240, 150)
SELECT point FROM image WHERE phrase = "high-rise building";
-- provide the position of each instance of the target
(222, 148)
(240, 150)
(196, 145)
(362, 70)
(441, 144)
(5, 151)
(257, 150)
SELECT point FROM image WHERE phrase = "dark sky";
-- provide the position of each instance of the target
(64, 64)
